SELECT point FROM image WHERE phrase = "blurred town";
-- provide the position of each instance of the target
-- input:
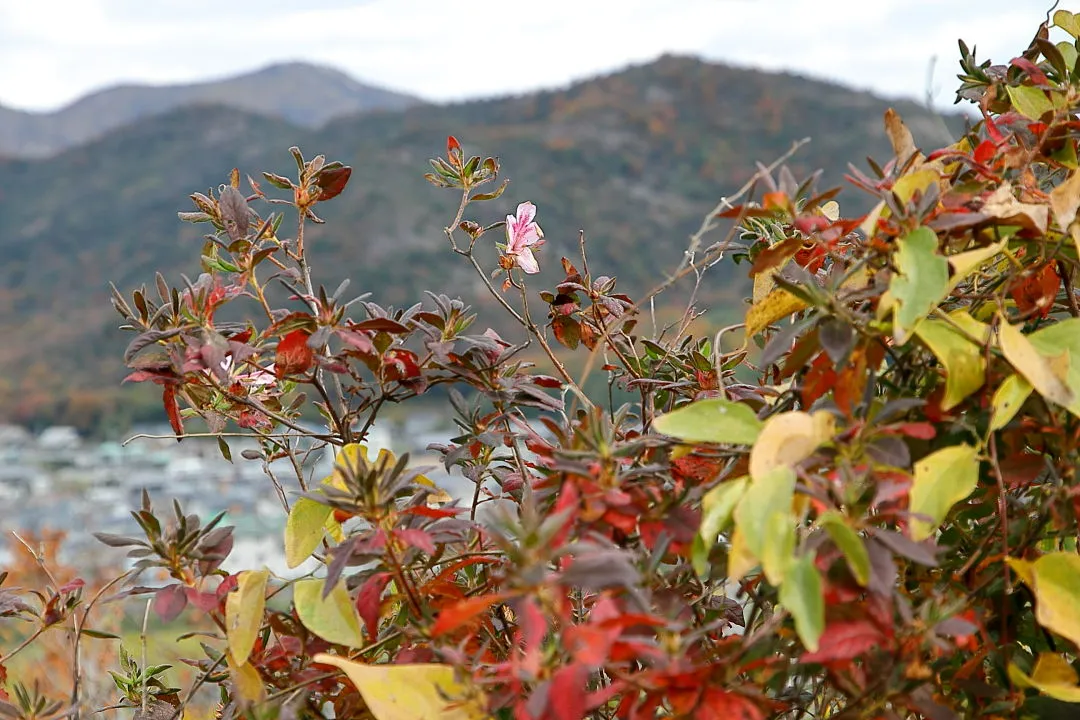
(58, 480)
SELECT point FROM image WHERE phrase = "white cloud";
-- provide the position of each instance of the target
(52, 51)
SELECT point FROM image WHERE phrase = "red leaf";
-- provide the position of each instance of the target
(369, 602)
(985, 151)
(379, 325)
(172, 409)
(845, 640)
(1022, 469)
(918, 430)
(293, 354)
(546, 381)
(453, 148)
(170, 601)
(723, 705)
(400, 365)
(204, 601)
(463, 612)
(71, 586)
(417, 539)
(531, 631)
(1037, 291)
(567, 695)
(588, 644)
(332, 182)
(430, 512)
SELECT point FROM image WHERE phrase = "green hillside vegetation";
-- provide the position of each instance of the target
(640, 155)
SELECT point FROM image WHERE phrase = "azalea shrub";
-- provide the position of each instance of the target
(859, 502)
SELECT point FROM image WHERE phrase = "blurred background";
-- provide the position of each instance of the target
(626, 119)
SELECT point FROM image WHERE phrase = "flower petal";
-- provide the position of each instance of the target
(528, 236)
(526, 261)
(526, 211)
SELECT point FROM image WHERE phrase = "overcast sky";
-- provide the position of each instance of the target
(53, 51)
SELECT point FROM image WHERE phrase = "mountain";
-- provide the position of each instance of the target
(634, 158)
(300, 93)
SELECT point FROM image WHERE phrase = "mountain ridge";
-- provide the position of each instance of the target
(305, 94)
(635, 158)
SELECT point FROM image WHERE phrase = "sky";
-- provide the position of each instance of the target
(54, 51)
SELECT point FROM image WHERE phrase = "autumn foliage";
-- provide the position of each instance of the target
(860, 502)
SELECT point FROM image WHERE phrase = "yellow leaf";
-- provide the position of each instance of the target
(1053, 676)
(963, 360)
(245, 679)
(1054, 579)
(740, 560)
(965, 263)
(332, 618)
(869, 225)
(769, 495)
(777, 305)
(304, 529)
(411, 692)
(789, 438)
(1023, 570)
(244, 613)
(942, 479)
(1008, 399)
(918, 181)
(1036, 369)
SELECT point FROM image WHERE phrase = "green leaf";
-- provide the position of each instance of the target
(332, 618)
(1029, 101)
(849, 543)
(963, 360)
(942, 479)
(921, 281)
(1054, 340)
(1046, 374)
(1068, 22)
(1055, 580)
(244, 613)
(712, 421)
(1008, 398)
(802, 596)
(718, 506)
(1069, 53)
(411, 692)
(770, 493)
(779, 546)
(304, 530)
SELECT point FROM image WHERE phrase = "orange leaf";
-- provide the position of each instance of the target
(293, 354)
(463, 612)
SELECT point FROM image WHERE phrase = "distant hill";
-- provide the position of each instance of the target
(300, 93)
(635, 158)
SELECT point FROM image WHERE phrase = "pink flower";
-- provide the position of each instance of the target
(523, 234)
